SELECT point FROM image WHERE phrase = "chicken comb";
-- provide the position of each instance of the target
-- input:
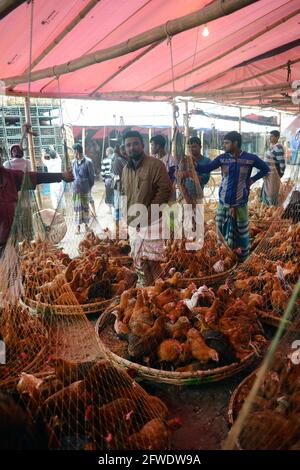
(174, 423)
(109, 437)
(88, 413)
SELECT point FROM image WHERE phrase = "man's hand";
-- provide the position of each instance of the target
(67, 176)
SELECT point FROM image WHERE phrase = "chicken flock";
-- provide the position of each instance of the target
(51, 277)
(189, 329)
(100, 404)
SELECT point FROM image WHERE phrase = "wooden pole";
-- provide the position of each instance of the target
(174, 134)
(131, 95)
(240, 119)
(212, 11)
(280, 121)
(258, 75)
(7, 6)
(31, 149)
(83, 140)
(186, 129)
(149, 138)
(208, 94)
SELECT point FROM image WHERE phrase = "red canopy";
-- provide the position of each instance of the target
(257, 46)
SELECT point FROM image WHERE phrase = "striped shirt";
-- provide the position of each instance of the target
(236, 176)
(275, 155)
(106, 170)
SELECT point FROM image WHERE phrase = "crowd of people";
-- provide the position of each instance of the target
(150, 180)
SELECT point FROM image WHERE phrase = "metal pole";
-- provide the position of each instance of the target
(31, 149)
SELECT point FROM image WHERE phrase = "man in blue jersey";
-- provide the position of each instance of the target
(236, 168)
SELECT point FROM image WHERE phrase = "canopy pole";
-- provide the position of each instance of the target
(174, 133)
(187, 151)
(83, 140)
(240, 119)
(149, 138)
(186, 128)
(31, 148)
(280, 121)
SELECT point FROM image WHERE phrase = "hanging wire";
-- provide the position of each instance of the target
(194, 59)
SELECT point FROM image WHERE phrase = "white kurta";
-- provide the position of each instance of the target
(56, 189)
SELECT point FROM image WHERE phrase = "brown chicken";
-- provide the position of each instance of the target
(209, 313)
(104, 382)
(151, 407)
(153, 436)
(180, 328)
(169, 350)
(279, 297)
(199, 349)
(68, 404)
(68, 371)
(140, 347)
(253, 300)
(113, 419)
(141, 319)
(180, 310)
(167, 296)
(224, 294)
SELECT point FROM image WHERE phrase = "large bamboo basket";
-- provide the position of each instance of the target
(104, 324)
(65, 310)
(233, 410)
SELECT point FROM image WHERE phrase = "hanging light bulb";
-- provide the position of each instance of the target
(205, 31)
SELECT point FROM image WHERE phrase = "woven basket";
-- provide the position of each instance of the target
(168, 377)
(64, 310)
(233, 403)
(213, 280)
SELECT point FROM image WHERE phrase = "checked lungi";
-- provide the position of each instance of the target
(233, 224)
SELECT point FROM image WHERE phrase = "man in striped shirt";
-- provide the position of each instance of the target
(236, 167)
(274, 158)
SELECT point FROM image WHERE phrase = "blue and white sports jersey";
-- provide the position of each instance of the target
(236, 176)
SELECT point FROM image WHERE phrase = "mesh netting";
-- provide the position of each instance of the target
(59, 387)
(266, 405)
